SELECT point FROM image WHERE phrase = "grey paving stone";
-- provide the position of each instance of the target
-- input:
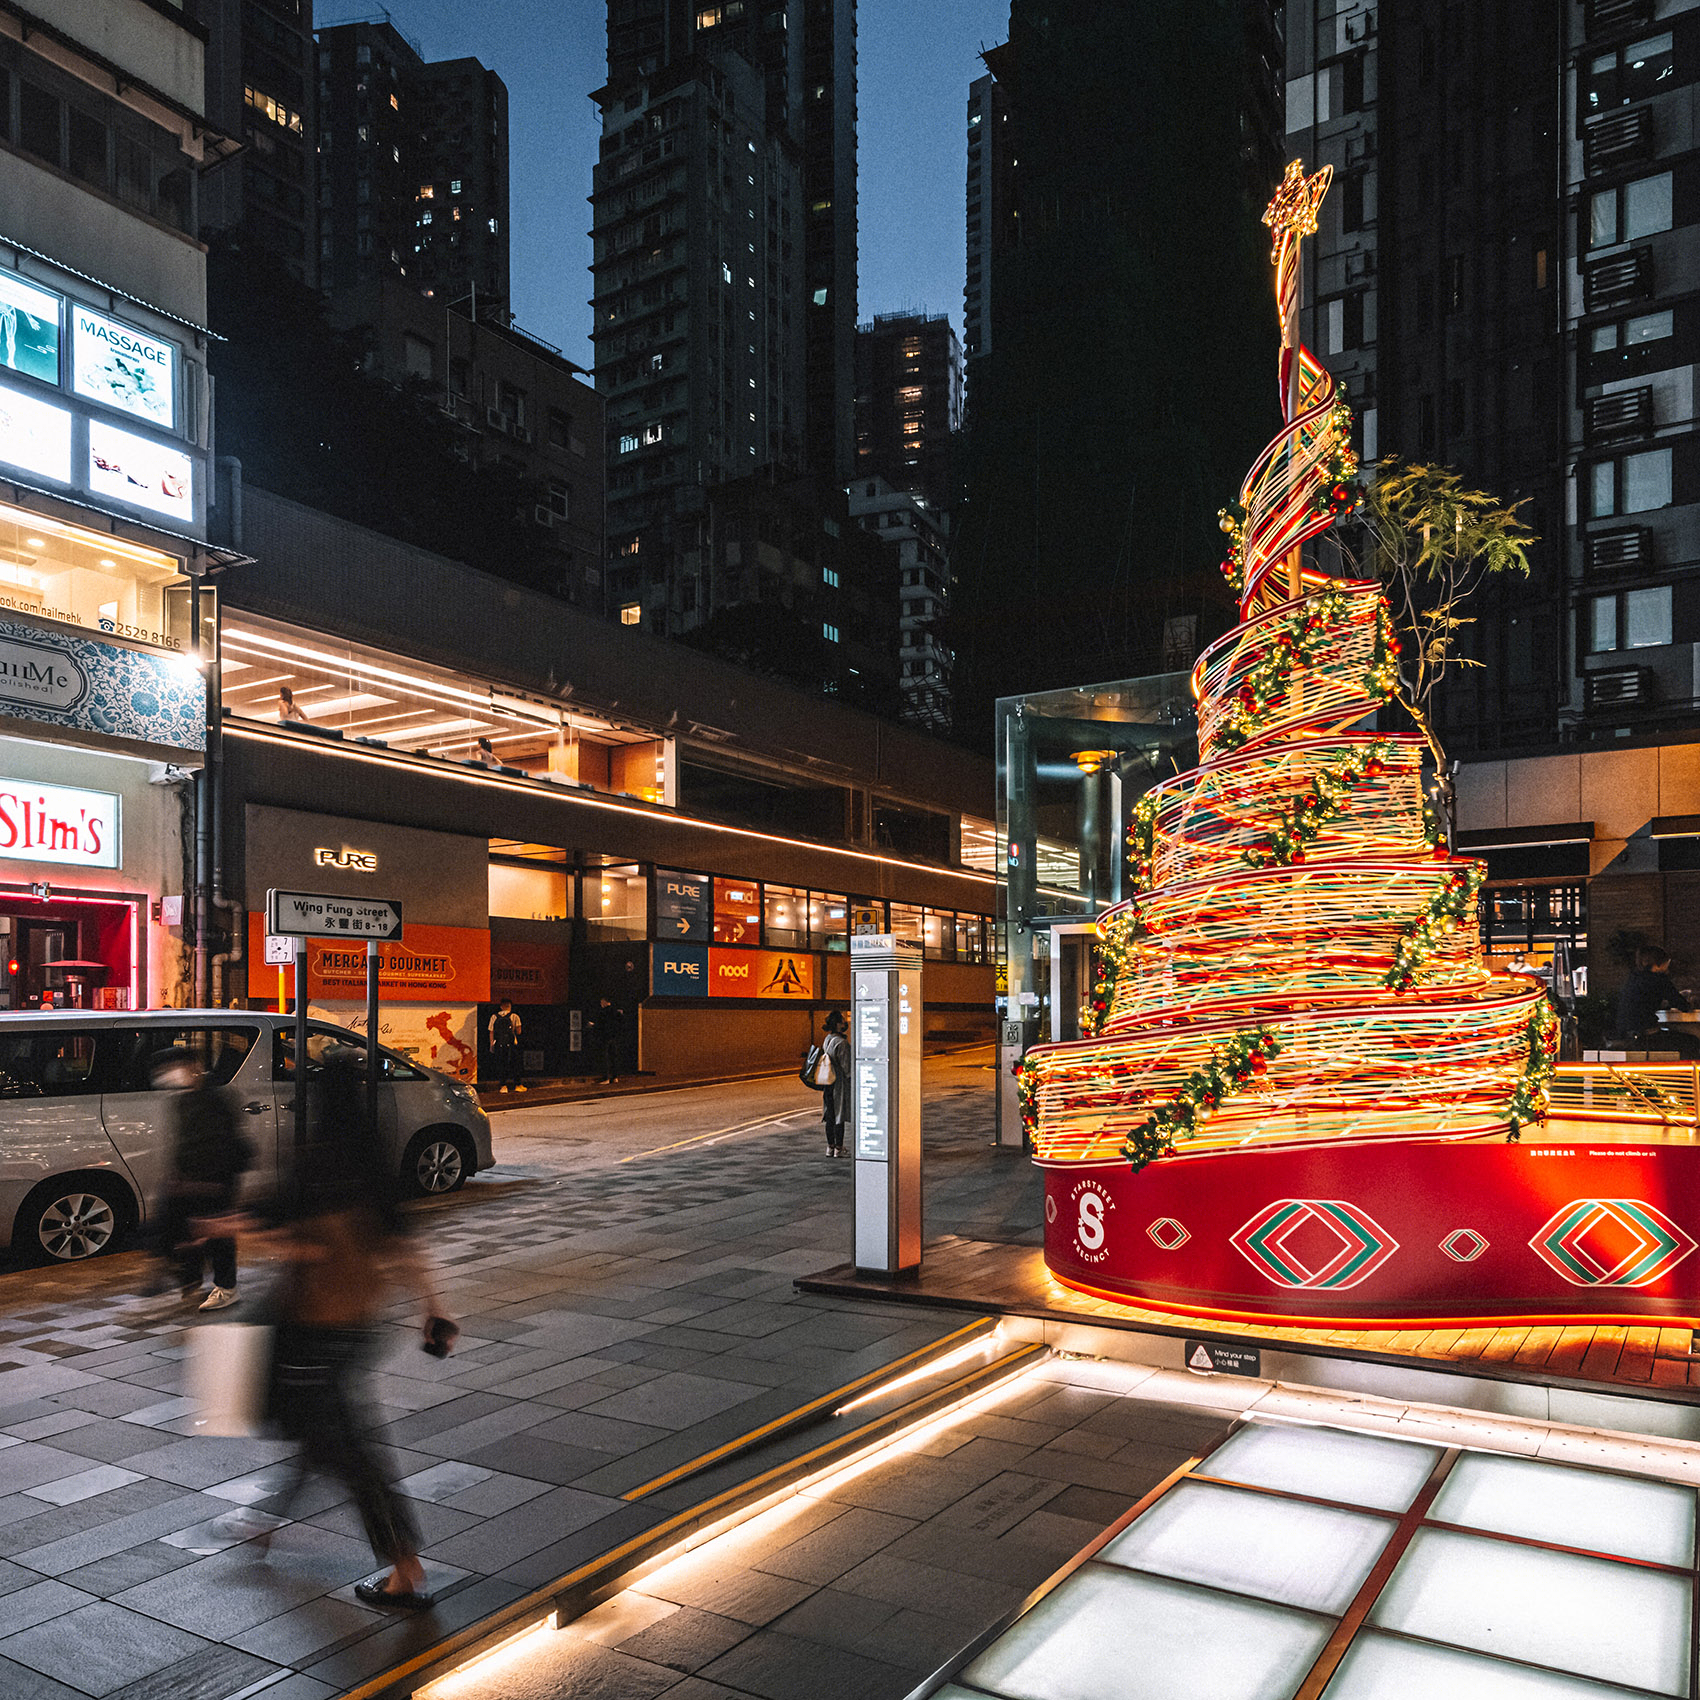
(825, 1553)
(45, 1428)
(599, 1434)
(109, 1441)
(38, 1603)
(21, 1531)
(540, 1460)
(84, 1484)
(126, 1569)
(674, 1401)
(783, 1667)
(685, 1640)
(836, 1618)
(498, 1542)
(233, 1590)
(297, 1637)
(929, 1587)
(441, 1481)
(214, 1674)
(113, 1535)
(722, 1585)
(199, 1462)
(18, 1682)
(100, 1648)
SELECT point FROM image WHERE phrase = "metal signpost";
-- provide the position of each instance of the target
(304, 915)
(885, 972)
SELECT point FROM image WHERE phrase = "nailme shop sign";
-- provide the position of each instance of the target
(57, 823)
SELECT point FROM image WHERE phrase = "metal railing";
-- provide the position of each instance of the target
(1650, 1094)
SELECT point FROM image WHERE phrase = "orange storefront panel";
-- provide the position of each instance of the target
(426, 965)
(761, 974)
(528, 972)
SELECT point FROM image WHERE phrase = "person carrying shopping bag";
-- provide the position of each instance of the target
(345, 1253)
(835, 1093)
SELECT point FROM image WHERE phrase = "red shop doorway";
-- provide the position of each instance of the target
(70, 949)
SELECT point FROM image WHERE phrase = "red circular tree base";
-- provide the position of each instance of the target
(1389, 1233)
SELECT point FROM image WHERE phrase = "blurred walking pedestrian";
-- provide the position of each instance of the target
(345, 1252)
(209, 1156)
(835, 1099)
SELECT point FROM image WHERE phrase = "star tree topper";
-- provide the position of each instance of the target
(1294, 209)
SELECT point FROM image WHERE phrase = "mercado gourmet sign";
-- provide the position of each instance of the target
(58, 823)
(428, 964)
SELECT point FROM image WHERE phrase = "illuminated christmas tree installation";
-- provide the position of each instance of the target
(1301, 960)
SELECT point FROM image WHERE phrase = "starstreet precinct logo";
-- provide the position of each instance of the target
(1086, 1211)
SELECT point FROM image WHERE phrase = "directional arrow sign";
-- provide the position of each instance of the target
(317, 915)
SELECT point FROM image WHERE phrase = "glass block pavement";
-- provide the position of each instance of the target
(1312, 1563)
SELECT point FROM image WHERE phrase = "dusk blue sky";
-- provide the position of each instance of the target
(917, 59)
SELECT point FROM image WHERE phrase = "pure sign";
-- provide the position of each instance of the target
(309, 914)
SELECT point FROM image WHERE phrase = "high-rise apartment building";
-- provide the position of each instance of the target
(698, 320)
(413, 168)
(260, 86)
(916, 536)
(988, 211)
(1116, 306)
(1433, 290)
(908, 402)
(724, 297)
(1632, 326)
(805, 54)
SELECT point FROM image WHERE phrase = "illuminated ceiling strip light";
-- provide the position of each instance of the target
(250, 639)
(651, 812)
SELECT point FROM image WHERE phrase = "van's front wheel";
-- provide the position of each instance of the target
(437, 1161)
(69, 1221)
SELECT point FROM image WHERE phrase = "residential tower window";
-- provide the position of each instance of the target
(1631, 619)
(1628, 74)
(1641, 208)
(1632, 484)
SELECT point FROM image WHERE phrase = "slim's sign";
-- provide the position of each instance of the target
(56, 823)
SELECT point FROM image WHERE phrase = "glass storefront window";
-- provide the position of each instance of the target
(616, 903)
(535, 893)
(908, 922)
(938, 936)
(104, 584)
(829, 921)
(970, 939)
(737, 912)
(785, 917)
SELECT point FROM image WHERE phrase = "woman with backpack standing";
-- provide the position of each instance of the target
(835, 1098)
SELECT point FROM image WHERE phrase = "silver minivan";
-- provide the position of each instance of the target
(85, 1137)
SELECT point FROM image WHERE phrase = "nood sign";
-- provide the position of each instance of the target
(56, 823)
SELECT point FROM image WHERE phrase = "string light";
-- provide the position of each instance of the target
(1300, 961)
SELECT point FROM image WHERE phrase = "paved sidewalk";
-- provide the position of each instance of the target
(616, 1318)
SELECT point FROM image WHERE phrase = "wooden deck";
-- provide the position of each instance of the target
(985, 1276)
